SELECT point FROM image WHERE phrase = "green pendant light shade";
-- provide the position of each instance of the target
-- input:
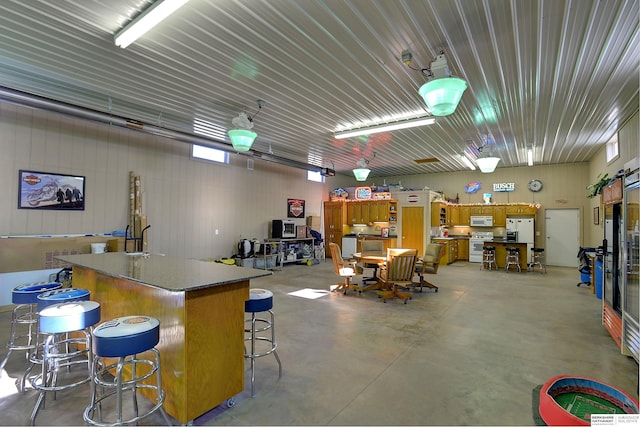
(242, 139)
(361, 174)
(443, 95)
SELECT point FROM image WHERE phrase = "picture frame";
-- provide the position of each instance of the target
(50, 191)
(295, 208)
(596, 215)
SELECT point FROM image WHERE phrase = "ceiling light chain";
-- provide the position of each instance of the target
(361, 172)
(242, 137)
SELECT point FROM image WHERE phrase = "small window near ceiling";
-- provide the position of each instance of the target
(612, 149)
(210, 154)
(315, 176)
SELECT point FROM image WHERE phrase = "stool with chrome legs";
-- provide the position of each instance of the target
(61, 350)
(260, 301)
(46, 299)
(489, 257)
(537, 258)
(513, 258)
(131, 340)
(24, 319)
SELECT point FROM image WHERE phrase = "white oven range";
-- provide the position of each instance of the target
(476, 242)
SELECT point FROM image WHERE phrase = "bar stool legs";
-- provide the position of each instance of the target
(260, 300)
(488, 257)
(125, 339)
(513, 258)
(63, 351)
(537, 258)
(24, 320)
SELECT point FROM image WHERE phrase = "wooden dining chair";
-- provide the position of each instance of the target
(345, 269)
(375, 248)
(397, 274)
(429, 265)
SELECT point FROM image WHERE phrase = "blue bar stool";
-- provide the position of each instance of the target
(513, 258)
(45, 300)
(125, 338)
(260, 301)
(24, 318)
(61, 350)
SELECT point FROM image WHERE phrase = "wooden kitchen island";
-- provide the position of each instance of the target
(501, 253)
(200, 306)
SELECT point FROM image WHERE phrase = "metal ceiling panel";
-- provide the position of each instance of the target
(560, 76)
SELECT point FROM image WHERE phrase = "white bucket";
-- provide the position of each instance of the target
(98, 248)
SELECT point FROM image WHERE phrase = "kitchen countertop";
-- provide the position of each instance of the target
(165, 272)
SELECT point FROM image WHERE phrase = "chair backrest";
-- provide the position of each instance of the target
(336, 257)
(373, 247)
(431, 260)
(401, 265)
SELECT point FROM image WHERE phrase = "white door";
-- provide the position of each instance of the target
(562, 237)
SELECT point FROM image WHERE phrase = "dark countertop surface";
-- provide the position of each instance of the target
(165, 272)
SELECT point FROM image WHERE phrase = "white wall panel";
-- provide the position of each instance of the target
(185, 200)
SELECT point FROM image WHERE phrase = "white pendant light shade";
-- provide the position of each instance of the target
(242, 139)
(361, 174)
(443, 95)
(487, 164)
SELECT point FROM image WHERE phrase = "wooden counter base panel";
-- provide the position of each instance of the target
(201, 336)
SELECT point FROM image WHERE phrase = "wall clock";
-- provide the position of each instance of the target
(535, 185)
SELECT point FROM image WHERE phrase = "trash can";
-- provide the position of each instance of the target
(598, 273)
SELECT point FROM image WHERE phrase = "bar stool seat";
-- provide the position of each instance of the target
(488, 257)
(24, 318)
(260, 301)
(125, 338)
(62, 350)
(537, 259)
(513, 258)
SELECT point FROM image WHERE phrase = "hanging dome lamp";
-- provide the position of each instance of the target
(242, 137)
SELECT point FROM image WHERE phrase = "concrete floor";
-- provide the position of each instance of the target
(469, 354)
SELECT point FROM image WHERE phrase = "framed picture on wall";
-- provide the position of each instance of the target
(45, 190)
(295, 208)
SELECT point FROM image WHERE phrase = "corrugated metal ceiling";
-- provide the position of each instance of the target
(558, 75)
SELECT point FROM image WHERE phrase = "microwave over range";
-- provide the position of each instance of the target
(481, 221)
(283, 229)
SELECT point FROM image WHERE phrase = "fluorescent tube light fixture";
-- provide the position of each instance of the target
(146, 20)
(529, 156)
(467, 162)
(422, 121)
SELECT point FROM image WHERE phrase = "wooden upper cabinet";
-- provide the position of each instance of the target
(465, 215)
(499, 216)
(454, 215)
(520, 210)
(439, 214)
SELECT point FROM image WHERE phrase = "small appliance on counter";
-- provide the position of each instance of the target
(512, 236)
(283, 229)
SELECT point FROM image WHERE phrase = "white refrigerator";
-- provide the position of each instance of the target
(526, 232)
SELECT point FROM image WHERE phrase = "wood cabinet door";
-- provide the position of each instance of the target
(500, 216)
(454, 215)
(465, 215)
(463, 249)
(412, 228)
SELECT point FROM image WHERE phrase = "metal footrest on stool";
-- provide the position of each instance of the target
(488, 258)
(537, 259)
(125, 338)
(513, 258)
(62, 351)
(24, 318)
(260, 301)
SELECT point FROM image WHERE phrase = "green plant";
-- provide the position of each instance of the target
(596, 189)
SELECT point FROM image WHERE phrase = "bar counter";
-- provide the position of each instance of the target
(200, 306)
(501, 252)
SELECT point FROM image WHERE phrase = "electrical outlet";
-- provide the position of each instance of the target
(217, 231)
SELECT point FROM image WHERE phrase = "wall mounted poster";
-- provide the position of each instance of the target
(295, 208)
(44, 190)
